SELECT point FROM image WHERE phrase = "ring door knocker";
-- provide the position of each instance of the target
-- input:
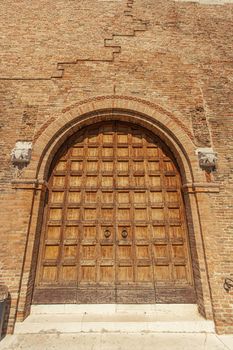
(124, 233)
(107, 233)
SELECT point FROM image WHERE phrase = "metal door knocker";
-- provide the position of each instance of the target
(107, 233)
(124, 233)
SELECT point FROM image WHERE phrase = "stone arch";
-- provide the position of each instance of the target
(177, 137)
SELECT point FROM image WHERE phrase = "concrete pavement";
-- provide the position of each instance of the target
(117, 341)
(115, 327)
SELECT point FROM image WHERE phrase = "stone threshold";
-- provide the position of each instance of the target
(172, 318)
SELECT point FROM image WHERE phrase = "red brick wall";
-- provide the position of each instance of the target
(175, 55)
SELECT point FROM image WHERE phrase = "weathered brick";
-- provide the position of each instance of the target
(175, 56)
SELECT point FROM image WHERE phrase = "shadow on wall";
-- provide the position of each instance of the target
(5, 307)
(194, 258)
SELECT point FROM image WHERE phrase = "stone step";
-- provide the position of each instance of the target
(114, 318)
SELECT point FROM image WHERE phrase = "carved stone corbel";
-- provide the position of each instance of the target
(21, 154)
(207, 159)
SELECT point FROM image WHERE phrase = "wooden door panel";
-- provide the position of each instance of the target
(159, 233)
(90, 197)
(122, 152)
(107, 152)
(122, 136)
(69, 274)
(55, 214)
(73, 214)
(90, 213)
(122, 197)
(88, 273)
(60, 166)
(92, 166)
(140, 197)
(74, 197)
(141, 232)
(122, 166)
(107, 273)
(88, 252)
(157, 214)
(143, 252)
(58, 181)
(106, 166)
(178, 251)
(69, 252)
(89, 233)
(51, 252)
(107, 252)
(57, 197)
(107, 214)
(77, 152)
(140, 214)
(162, 272)
(144, 273)
(155, 180)
(107, 197)
(53, 233)
(125, 273)
(153, 166)
(124, 252)
(114, 226)
(91, 181)
(49, 274)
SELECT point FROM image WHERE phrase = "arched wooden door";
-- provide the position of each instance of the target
(114, 227)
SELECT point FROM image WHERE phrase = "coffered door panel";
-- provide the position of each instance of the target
(114, 226)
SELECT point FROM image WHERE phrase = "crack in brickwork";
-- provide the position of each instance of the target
(140, 26)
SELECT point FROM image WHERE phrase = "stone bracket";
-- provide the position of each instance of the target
(3, 293)
(21, 154)
(228, 284)
(207, 159)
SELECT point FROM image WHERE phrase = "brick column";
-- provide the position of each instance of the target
(201, 224)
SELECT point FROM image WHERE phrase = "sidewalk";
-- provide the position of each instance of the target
(117, 341)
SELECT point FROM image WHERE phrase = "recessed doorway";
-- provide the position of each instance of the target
(114, 227)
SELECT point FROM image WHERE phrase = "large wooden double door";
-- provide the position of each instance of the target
(114, 226)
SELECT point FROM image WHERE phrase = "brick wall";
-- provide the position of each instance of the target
(176, 55)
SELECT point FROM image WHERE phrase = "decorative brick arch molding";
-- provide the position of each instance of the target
(169, 128)
(162, 123)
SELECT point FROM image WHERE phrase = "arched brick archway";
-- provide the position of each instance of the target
(176, 137)
(170, 129)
